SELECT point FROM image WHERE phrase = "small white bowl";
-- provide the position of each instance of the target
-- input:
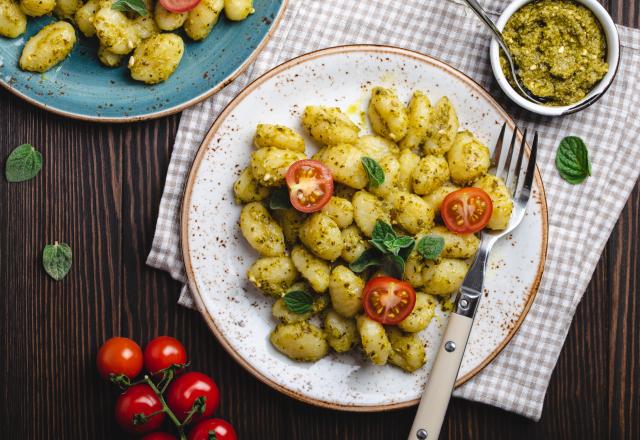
(613, 58)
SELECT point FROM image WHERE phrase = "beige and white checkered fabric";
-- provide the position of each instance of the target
(580, 217)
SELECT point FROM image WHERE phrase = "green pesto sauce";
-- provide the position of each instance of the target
(559, 47)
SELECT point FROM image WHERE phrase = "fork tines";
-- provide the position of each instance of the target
(508, 169)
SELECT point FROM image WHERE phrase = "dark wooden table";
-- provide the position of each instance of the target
(100, 190)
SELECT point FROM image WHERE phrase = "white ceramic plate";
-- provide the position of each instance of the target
(217, 257)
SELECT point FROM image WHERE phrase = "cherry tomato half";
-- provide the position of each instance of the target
(159, 436)
(185, 389)
(119, 356)
(388, 300)
(139, 399)
(206, 428)
(310, 185)
(179, 5)
(163, 352)
(466, 210)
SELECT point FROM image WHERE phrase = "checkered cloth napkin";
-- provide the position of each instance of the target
(581, 217)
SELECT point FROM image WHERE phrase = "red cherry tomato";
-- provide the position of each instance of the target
(310, 185)
(136, 400)
(120, 356)
(466, 210)
(179, 5)
(222, 429)
(163, 352)
(388, 300)
(185, 389)
(159, 436)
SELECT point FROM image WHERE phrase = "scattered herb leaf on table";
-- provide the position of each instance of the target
(56, 259)
(24, 163)
(572, 160)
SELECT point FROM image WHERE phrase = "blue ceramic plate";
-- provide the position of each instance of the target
(80, 87)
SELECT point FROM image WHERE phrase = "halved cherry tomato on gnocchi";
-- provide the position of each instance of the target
(179, 5)
(466, 210)
(388, 300)
(310, 185)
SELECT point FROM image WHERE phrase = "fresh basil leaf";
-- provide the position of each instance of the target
(136, 6)
(374, 171)
(398, 243)
(394, 266)
(572, 160)
(298, 301)
(370, 257)
(24, 163)
(56, 259)
(430, 246)
(381, 230)
(279, 199)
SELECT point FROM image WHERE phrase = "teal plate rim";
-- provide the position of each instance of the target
(167, 111)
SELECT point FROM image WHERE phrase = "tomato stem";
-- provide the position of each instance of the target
(165, 407)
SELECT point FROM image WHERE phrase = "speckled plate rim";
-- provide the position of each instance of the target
(169, 111)
(186, 201)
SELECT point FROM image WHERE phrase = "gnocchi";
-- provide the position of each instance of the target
(156, 58)
(13, 22)
(330, 248)
(52, 44)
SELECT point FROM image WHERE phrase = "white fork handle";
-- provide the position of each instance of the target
(435, 399)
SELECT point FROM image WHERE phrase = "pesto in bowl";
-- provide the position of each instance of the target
(560, 49)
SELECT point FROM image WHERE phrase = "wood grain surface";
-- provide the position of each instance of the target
(99, 191)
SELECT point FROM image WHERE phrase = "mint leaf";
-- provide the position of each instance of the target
(398, 243)
(369, 258)
(394, 266)
(298, 301)
(56, 260)
(430, 246)
(374, 171)
(279, 199)
(136, 6)
(572, 160)
(24, 163)
(381, 230)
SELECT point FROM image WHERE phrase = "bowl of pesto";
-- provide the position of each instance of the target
(567, 51)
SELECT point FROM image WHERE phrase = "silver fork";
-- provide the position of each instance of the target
(435, 399)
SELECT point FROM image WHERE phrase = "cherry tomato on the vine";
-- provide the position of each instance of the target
(388, 300)
(119, 356)
(159, 436)
(205, 429)
(310, 185)
(185, 389)
(466, 210)
(139, 402)
(179, 5)
(163, 352)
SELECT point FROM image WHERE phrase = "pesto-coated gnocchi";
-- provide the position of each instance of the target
(335, 248)
(315, 270)
(419, 118)
(51, 45)
(468, 158)
(387, 114)
(300, 341)
(273, 275)
(269, 165)
(345, 289)
(373, 337)
(13, 22)
(156, 58)
(121, 28)
(262, 232)
(342, 333)
(246, 189)
(329, 126)
(36, 8)
(278, 136)
(407, 351)
(203, 18)
(443, 128)
(322, 236)
(237, 10)
(340, 210)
